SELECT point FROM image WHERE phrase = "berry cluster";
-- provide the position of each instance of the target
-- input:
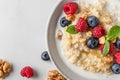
(92, 23)
(69, 9)
(116, 66)
(83, 25)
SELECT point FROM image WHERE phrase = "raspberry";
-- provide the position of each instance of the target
(98, 31)
(117, 57)
(118, 61)
(70, 8)
(101, 47)
(81, 26)
(27, 72)
(112, 47)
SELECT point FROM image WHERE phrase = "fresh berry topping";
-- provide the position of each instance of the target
(98, 31)
(111, 49)
(101, 47)
(117, 44)
(81, 26)
(115, 68)
(70, 8)
(45, 56)
(118, 60)
(27, 72)
(117, 57)
(117, 54)
(64, 22)
(92, 42)
(92, 21)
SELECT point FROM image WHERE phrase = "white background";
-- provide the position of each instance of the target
(22, 35)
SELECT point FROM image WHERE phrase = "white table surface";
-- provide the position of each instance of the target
(22, 35)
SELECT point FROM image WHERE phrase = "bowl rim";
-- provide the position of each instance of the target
(46, 39)
(67, 73)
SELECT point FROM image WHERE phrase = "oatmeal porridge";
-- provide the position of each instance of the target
(90, 36)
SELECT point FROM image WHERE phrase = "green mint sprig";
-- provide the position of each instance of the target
(112, 34)
(106, 48)
(70, 29)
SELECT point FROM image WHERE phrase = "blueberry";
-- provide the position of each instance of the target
(92, 21)
(92, 42)
(117, 43)
(64, 22)
(45, 56)
(115, 68)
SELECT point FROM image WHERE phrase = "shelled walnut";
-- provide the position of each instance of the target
(59, 34)
(5, 68)
(54, 75)
(70, 17)
(102, 40)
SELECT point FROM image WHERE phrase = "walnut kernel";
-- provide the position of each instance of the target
(59, 34)
(70, 17)
(102, 40)
(54, 75)
(5, 68)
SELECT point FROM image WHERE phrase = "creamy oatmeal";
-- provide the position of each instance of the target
(74, 44)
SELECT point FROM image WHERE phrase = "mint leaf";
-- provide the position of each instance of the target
(70, 29)
(106, 48)
(113, 33)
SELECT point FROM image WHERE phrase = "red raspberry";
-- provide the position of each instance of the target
(118, 61)
(112, 47)
(101, 47)
(117, 57)
(98, 31)
(27, 72)
(70, 8)
(81, 26)
(117, 54)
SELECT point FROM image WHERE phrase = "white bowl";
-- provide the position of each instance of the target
(63, 66)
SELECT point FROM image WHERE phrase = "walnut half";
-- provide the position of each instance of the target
(59, 34)
(5, 68)
(54, 75)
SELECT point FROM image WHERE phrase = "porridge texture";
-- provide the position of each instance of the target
(74, 45)
(78, 53)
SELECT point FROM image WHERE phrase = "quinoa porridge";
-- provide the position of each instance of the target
(84, 42)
